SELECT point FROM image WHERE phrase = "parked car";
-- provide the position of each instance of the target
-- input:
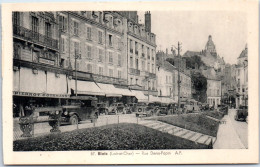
(132, 107)
(145, 110)
(80, 110)
(102, 108)
(241, 113)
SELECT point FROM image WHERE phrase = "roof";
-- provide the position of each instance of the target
(191, 53)
(243, 53)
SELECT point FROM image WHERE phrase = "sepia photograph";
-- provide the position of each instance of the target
(129, 82)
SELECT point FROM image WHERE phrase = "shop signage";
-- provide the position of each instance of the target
(26, 54)
(46, 61)
(17, 93)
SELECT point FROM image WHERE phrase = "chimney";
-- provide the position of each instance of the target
(148, 21)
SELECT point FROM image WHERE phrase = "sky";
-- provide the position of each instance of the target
(192, 28)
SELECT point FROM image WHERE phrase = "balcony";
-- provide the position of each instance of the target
(152, 75)
(35, 37)
(110, 80)
(134, 71)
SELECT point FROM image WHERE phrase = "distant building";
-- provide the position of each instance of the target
(213, 92)
(170, 82)
(242, 78)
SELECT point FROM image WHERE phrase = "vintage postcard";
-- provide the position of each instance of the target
(130, 82)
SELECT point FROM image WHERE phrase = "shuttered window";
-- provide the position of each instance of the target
(76, 28)
(35, 24)
(88, 51)
(48, 30)
(63, 21)
(16, 18)
(89, 33)
(100, 55)
(100, 37)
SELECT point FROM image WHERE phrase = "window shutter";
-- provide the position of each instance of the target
(72, 27)
(94, 34)
(60, 22)
(93, 52)
(72, 48)
(103, 37)
(81, 28)
(65, 23)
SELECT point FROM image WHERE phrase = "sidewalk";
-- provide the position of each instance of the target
(227, 137)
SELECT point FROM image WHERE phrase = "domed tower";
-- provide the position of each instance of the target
(210, 46)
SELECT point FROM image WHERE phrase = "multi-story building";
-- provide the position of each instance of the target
(37, 76)
(167, 79)
(242, 78)
(94, 43)
(213, 91)
(141, 49)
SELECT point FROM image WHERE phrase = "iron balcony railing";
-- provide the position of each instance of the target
(35, 37)
(134, 71)
(107, 79)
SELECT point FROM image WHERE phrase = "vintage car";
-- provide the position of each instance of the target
(132, 107)
(80, 109)
(116, 108)
(145, 110)
(102, 108)
(241, 113)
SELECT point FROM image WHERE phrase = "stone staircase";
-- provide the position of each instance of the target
(180, 132)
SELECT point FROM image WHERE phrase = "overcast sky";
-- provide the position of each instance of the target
(228, 31)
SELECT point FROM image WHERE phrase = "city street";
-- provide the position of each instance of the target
(240, 127)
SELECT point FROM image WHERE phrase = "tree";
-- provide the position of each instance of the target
(200, 87)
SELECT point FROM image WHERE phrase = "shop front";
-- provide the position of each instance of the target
(37, 88)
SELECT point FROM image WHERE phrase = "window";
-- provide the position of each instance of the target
(48, 30)
(16, 18)
(110, 72)
(63, 23)
(88, 51)
(136, 48)
(152, 68)
(118, 43)
(89, 68)
(110, 40)
(100, 70)
(62, 45)
(218, 92)
(142, 48)
(76, 47)
(100, 37)
(148, 67)
(238, 81)
(119, 74)
(35, 24)
(100, 55)
(110, 57)
(131, 81)
(119, 60)
(131, 62)
(143, 65)
(136, 81)
(76, 28)
(136, 64)
(131, 45)
(89, 33)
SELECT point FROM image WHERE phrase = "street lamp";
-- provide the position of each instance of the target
(76, 56)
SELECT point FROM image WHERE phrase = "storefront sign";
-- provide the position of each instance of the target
(26, 54)
(46, 61)
(17, 93)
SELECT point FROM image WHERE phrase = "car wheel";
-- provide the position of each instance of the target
(73, 120)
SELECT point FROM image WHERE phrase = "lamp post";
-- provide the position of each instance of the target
(76, 56)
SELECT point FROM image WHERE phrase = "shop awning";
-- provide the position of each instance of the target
(167, 100)
(154, 99)
(110, 90)
(126, 92)
(140, 96)
(87, 88)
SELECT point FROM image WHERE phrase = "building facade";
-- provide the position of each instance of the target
(213, 92)
(141, 49)
(37, 76)
(167, 79)
(242, 78)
